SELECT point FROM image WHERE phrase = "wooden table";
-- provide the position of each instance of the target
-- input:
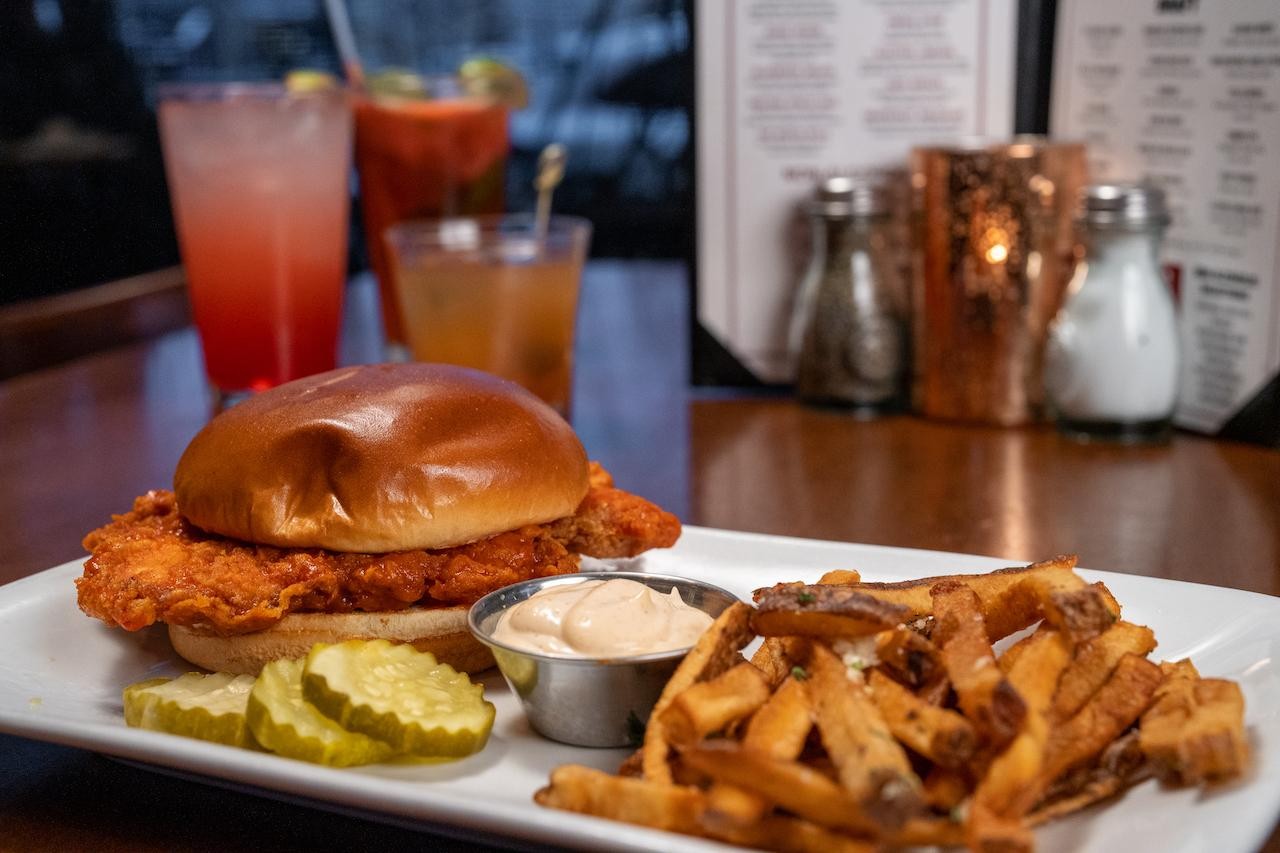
(77, 443)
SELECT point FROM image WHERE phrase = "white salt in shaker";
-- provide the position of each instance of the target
(1112, 361)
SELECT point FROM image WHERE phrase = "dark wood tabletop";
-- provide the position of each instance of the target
(79, 441)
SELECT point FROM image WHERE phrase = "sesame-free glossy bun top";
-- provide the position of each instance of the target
(388, 457)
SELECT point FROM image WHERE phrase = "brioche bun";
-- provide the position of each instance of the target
(389, 457)
(439, 630)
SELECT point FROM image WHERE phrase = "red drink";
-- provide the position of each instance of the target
(258, 179)
(422, 159)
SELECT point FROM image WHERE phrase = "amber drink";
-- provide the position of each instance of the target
(494, 294)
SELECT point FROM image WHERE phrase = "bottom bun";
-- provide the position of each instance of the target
(439, 630)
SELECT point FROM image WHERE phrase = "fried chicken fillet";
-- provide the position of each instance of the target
(151, 565)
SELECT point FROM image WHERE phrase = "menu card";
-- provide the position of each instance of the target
(1186, 94)
(793, 91)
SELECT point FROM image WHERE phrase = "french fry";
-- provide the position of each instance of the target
(794, 835)
(793, 786)
(908, 656)
(870, 764)
(588, 791)
(1071, 605)
(840, 577)
(821, 611)
(988, 832)
(928, 832)
(710, 706)
(1009, 788)
(944, 789)
(1094, 662)
(944, 737)
(779, 729)
(1005, 609)
(1122, 764)
(982, 691)
(1194, 730)
(777, 656)
(716, 651)
(1115, 707)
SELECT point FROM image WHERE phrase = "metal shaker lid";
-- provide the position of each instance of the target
(847, 197)
(1137, 206)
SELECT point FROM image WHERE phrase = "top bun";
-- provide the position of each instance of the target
(389, 457)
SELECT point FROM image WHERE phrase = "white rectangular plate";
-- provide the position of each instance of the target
(61, 674)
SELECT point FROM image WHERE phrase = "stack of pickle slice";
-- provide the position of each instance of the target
(358, 702)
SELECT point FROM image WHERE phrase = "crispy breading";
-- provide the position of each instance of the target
(150, 565)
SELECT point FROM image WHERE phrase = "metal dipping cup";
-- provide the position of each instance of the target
(588, 701)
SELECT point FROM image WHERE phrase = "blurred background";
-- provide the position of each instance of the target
(82, 187)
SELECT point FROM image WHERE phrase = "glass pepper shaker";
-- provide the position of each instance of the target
(1113, 358)
(849, 329)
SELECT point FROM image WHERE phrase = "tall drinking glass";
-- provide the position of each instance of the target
(494, 293)
(425, 159)
(258, 176)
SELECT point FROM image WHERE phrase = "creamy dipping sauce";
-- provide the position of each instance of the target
(601, 619)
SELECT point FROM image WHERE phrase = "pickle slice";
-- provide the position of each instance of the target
(399, 695)
(139, 699)
(289, 725)
(208, 707)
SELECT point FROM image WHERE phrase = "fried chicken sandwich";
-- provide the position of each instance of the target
(376, 501)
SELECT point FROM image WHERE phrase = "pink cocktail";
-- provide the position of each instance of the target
(258, 177)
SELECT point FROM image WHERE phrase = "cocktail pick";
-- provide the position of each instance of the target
(551, 163)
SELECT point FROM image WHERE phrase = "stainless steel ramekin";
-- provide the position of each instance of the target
(588, 701)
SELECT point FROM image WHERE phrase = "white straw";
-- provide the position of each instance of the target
(340, 23)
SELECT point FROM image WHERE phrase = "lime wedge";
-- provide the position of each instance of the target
(306, 80)
(208, 707)
(495, 81)
(397, 83)
(288, 725)
(399, 695)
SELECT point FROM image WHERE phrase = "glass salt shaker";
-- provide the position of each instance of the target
(848, 327)
(1113, 356)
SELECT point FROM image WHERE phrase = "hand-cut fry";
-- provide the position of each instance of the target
(1094, 662)
(869, 762)
(710, 706)
(1194, 730)
(794, 835)
(910, 657)
(942, 736)
(821, 611)
(928, 832)
(1005, 609)
(1121, 764)
(587, 791)
(633, 765)
(1110, 711)
(944, 789)
(988, 832)
(790, 784)
(779, 729)
(840, 577)
(1009, 788)
(1071, 605)
(777, 656)
(716, 651)
(982, 691)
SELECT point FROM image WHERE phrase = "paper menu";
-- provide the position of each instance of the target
(1186, 94)
(792, 91)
